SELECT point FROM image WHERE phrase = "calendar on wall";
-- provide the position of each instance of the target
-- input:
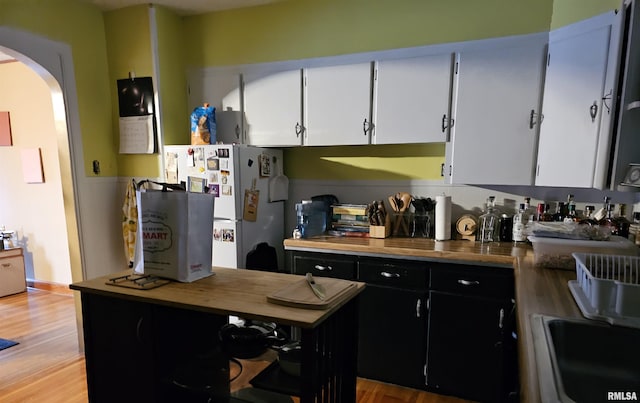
(137, 121)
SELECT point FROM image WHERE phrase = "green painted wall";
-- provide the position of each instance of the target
(173, 82)
(298, 29)
(129, 50)
(80, 25)
(566, 12)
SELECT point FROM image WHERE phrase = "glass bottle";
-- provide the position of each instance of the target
(488, 227)
(543, 213)
(608, 220)
(572, 216)
(529, 212)
(621, 223)
(587, 216)
(519, 218)
(559, 214)
(602, 212)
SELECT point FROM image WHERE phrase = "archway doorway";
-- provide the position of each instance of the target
(53, 63)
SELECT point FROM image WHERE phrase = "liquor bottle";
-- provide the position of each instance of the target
(488, 223)
(543, 213)
(519, 219)
(621, 223)
(634, 229)
(587, 216)
(602, 212)
(539, 211)
(529, 212)
(559, 214)
(608, 220)
(572, 216)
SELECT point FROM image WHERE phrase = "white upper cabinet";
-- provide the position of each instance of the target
(498, 99)
(575, 133)
(412, 100)
(338, 105)
(273, 109)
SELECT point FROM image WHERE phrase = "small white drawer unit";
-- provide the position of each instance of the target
(12, 275)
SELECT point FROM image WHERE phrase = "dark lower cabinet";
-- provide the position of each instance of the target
(392, 322)
(443, 327)
(471, 351)
(393, 331)
(138, 352)
(465, 346)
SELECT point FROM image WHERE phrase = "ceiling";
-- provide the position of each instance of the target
(180, 7)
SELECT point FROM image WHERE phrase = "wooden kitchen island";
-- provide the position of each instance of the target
(142, 344)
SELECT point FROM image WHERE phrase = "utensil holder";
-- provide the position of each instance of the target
(381, 231)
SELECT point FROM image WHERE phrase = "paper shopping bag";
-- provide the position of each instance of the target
(176, 230)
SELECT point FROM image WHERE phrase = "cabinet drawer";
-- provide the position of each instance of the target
(12, 276)
(394, 273)
(480, 281)
(325, 265)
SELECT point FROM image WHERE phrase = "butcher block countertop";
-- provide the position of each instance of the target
(538, 290)
(227, 292)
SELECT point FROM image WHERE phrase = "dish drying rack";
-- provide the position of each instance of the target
(607, 288)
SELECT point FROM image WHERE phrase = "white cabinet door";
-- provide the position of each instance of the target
(570, 133)
(495, 133)
(273, 109)
(412, 100)
(338, 105)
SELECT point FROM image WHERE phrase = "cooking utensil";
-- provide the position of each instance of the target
(289, 358)
(279, 184)
(250, 339)
(315, 287)
(402, 200)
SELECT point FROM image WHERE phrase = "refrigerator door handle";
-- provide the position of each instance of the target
(228, 220)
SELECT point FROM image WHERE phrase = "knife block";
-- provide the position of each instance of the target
(381, 231)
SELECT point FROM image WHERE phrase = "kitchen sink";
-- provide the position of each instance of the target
(585, 361)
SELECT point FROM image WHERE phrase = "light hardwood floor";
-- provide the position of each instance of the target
(47, 365)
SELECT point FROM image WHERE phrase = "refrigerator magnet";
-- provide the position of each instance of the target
(265, 166)
(251, 197)
(213, 164)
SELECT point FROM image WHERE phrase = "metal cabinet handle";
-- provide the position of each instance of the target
(238, 131)
(367, 126)
(323, 268)
(593, 111)
(418, 306)
(299, 129)
(447, 123)
(532, 119)
(501, 319)
(139, 329)
(467, 282)
(6, 264)
(389, 275)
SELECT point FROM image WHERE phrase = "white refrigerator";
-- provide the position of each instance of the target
(245, 213)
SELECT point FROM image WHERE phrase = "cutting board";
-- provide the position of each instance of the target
(300, 295)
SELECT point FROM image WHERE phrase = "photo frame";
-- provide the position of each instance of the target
(196, 185)
(265, 166)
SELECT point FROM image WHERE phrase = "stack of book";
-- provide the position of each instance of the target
(349, 220)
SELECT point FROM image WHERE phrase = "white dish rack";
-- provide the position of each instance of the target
(608, 288)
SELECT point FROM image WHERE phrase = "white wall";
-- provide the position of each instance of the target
(35, 211)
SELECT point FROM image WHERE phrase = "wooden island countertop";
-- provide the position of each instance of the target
(228, 292)
(538, 290)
